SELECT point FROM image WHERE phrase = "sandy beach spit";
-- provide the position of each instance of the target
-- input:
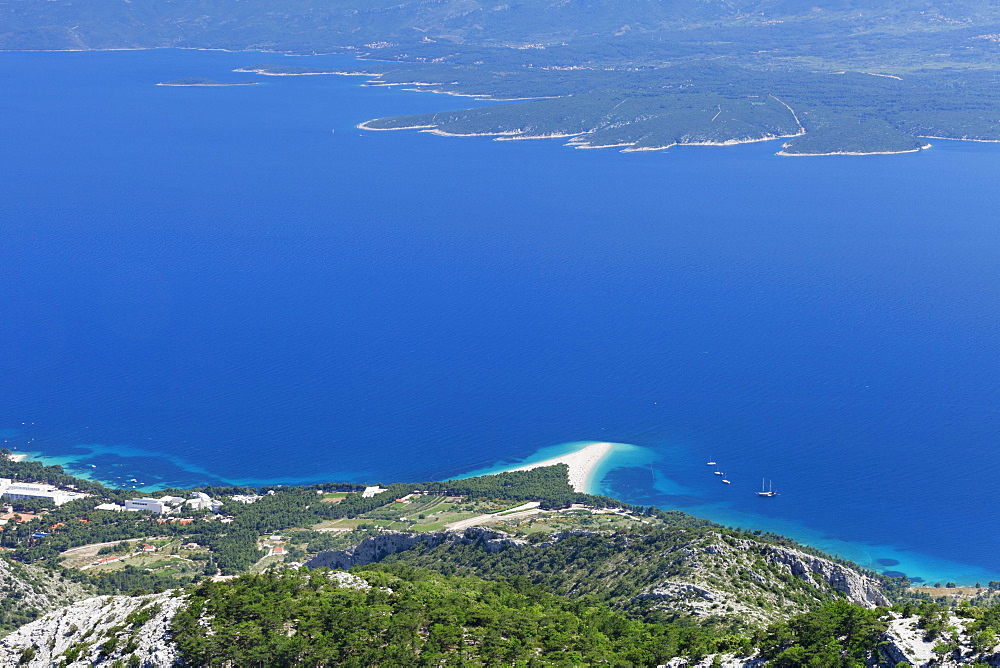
(582, 464)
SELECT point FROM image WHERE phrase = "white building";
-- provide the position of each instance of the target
(109, 506)
(23, 491)
(152, 505)
(372, 491)
(161, 506)
(202, 501)
(246, 498)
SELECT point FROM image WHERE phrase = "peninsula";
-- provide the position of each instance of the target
(583, 465)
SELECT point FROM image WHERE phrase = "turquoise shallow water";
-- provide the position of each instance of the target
(205, 285)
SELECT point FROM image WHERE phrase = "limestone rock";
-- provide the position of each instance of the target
(37, 591)
(96, 632)
(858, 588)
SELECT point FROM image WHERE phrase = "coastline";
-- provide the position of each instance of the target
(554, 135)
(208, 85)
(884, 558)
(364, 126)
(807, 155)
(264, 72)
(588, 461)
(583, 465)
(444, 133)
(981, 141)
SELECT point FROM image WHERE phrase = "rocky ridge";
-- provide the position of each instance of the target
(723, 575)
(710, 575)
(27, 592)
(105, 630)
(98, 631)
(756, 581)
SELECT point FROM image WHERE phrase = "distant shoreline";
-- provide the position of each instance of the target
(364, 126)
(267, 73)
(855, 153)
(434, 87)
(576, 140)
(208, 85)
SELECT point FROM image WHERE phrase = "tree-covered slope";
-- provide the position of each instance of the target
(649, 586)
(817, 113)
(401, 616)
(392, 615)
(721, 578)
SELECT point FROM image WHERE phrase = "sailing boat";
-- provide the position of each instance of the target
(710, 464)
(770, 491)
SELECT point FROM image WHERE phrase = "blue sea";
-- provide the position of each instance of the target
(235, 285)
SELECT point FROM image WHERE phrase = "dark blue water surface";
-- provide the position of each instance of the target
(202, 285)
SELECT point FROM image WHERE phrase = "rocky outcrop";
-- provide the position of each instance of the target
(856, 587)
(36, 591)
(108, 630)
(377, 548)
(905, 642)
(679, 591)
(716, 661)
(756, 582)
(348, 580)
(96, 632)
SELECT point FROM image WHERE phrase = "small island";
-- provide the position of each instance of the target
(200, 81)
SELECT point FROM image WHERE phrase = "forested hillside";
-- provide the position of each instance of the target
(573, 580)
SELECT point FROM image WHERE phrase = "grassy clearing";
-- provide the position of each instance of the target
(266, 562)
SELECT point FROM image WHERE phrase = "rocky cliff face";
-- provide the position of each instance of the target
(377, 548)
(96, 632)
(858, 588)
(757, 582)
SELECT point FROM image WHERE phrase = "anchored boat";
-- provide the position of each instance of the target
(769, 491)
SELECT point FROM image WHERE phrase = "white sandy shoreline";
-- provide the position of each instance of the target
(583, 465)
(208, 85)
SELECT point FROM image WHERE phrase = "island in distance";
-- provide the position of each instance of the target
(813, 113)
(200, 81)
